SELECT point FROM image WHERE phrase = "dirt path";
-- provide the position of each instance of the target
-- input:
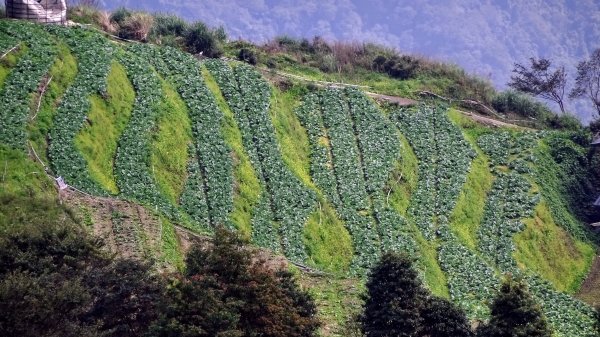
(401, 101)
(590, 288)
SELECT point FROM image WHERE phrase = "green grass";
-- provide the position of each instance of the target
(171, 251)
(327, 241)
(27, 195)
(107, 119)
(170, 143)
(403, 182)
(468, 213)
(247, 185)
(546, 248)
(338, 302)
(63, 73)
(10, 61)
(435, 278)
(404, 177)
(291, 136)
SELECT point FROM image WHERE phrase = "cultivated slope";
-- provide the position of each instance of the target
(155, 140)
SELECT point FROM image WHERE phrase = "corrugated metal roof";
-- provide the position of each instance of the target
(597, 203)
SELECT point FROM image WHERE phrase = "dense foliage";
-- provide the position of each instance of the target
(94, 54)
(515, 314)
(15, 95)
(248, 95)
(397, 304)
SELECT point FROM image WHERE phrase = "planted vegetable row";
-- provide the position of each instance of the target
(212, 152)
(94, 54)
(23, 80)
(133, 153)
(291, 203)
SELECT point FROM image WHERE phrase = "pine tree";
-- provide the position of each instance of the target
(441, 318)
(515, 313)
(394, 300)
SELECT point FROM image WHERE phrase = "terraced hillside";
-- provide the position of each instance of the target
(158, 146)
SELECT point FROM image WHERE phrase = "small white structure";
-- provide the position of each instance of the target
(61, 183)
(43, 11)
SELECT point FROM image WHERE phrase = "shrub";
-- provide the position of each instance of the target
(247, 55)
(167, 24)
(201, 39)
(515, 313)
(229, 290)
(520, 104)
(119, 15)
(136, 26)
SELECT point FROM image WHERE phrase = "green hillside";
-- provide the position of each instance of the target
(159, 145)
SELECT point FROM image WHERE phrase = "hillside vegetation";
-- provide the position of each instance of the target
(162, 146)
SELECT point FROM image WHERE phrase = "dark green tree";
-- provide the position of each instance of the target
(228, 290)
(515, 313)
(395, 299)
(441, 318)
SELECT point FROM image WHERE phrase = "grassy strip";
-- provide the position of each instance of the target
(170, 144)
(171, 252)
(291, 136)
(328, 242)
(246, 192)
(108, 117)
(547, 249)
(468, 213)
(404, 178)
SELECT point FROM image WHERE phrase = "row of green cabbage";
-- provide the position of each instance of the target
(347, 133)
(378, 147)
(509, 201)
(324, 171)
(248, 95)
(132, 160)
(94, 55)
(212, 153)
(444, 160)
(24, 79)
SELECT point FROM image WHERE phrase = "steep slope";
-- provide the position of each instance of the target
(152, 141)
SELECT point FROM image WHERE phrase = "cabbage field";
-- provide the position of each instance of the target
(353, 149)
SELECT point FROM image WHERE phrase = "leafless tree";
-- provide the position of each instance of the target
(587, 82)
(539, 80)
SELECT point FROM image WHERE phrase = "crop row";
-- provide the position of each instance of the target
(376, 137)
(567, 316)
(132, 159)
(344, 150)
(444, 160)
(513, 151)
(248, 95)
(361, 228)
(212, 152)
(507, 203)
(94, 55)
(23, 80)
(193, 198)
(360, 140)
(471, 281)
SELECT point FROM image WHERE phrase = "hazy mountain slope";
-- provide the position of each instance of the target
(483, 37)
